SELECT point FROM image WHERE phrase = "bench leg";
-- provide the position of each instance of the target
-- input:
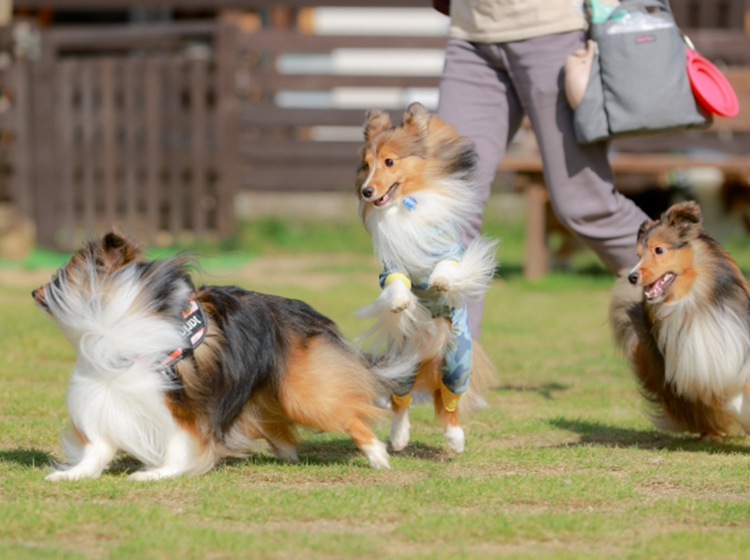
(536, 243)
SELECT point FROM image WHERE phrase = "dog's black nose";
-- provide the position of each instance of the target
(367, 192)
(33, 293)
(633, 278)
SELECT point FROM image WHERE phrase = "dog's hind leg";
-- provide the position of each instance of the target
(282, 438)
(328, 388)
(400, 425)
(184, 455)
(370, 445)
(453, 433)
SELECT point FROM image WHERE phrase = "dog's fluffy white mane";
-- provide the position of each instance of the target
(414, 239)
(117, 386)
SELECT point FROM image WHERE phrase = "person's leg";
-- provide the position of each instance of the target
(477, 98)
(579, 178)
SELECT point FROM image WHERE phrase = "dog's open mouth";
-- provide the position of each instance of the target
(656, 290)
(386, 198)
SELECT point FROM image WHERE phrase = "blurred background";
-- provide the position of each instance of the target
(234, 124)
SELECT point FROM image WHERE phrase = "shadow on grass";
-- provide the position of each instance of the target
(544, 390)
(596, 433)
(33, 458)
(508, 270)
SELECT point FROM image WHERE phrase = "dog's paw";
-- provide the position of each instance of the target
(400, 428)
(399, 304)
(377, 455)
(71, 474)
(454, 437)
(145, 476)
(440, 284)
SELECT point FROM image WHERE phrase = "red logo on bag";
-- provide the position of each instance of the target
(645, 39)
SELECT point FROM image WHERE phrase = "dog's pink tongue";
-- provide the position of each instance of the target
(382, 200)
(655, 290)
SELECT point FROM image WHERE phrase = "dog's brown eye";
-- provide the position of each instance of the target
(659, 250)
(365, 167)
(388, 162)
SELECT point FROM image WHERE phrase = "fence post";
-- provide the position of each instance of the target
(44, 168)
(226, 126)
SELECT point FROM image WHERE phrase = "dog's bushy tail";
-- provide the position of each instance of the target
(669, 411)
(483, 378)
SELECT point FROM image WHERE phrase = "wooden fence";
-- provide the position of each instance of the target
(125, 131)
(155, 127)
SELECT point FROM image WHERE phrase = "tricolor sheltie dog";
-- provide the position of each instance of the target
(416, 190)
(682, 316)
(179, 376)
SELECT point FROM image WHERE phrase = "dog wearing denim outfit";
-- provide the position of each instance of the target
(417, 191)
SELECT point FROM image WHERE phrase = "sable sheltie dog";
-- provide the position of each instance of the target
(143, 382)
(682, 316)
(417, 192)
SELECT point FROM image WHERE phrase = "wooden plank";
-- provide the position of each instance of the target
(109, 70)
(709, 13)
(91, 37)
(286, 40)
(681, 12)
(88, 151)
(44, 165)
(226, 128)
(740, 80)
(731, 47)
(636, 163)
(198, 124)
(132, 71)
(736, 144)
(293, 151)
(203, 5)
(174, 121)
(272, 81)
(154, 149)
(249, 114)
(66, 77)
(22, 147)
(736, 13)
(296, 178)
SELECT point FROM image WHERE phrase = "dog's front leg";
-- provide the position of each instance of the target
(94, 456)
(443, 276)
(397, 292)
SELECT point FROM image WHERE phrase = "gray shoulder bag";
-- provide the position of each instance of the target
(638, 82)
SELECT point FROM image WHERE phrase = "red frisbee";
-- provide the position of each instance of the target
(712, 90)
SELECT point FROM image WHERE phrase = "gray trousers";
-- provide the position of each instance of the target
(485, 90)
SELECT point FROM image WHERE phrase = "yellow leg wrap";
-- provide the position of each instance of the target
(450, 400)
(397, 276)
(402, 401)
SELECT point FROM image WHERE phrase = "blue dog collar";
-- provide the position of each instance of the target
(410, 202)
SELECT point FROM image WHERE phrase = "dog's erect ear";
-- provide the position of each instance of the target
(376, 121)
(645, 226)
(416, 119)
(118, 250)
(682, 215)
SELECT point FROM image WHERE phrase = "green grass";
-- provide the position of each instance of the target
(563, 463)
